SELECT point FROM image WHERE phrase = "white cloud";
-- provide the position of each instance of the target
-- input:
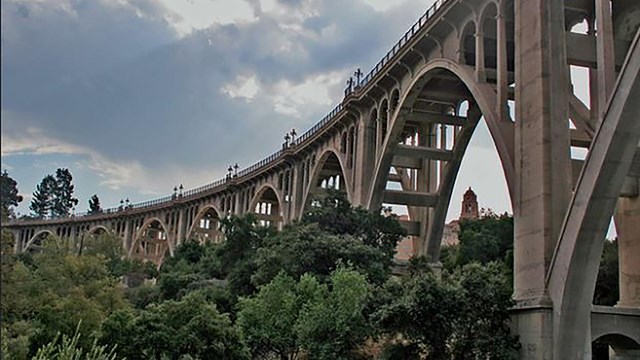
(292, 99)
(243, 87)
(201, 14)
(115, 174)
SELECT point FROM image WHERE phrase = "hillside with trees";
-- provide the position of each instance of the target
(321, 288)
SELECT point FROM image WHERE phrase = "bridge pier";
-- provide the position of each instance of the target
(628, 227)
(543, 184)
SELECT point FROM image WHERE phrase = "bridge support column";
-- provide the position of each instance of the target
(366, 148)
(502, 61)
(543, 184)
(182, 232)
(628, 227)
(480, 66)
(127, 238)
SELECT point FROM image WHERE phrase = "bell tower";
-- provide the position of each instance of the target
(469, 205)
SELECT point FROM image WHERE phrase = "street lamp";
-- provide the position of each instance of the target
(358, 75)
(181, 188)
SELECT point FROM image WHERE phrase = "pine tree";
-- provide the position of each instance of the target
(94, 205)
(42, 201)
(63, 200)
(9, 196)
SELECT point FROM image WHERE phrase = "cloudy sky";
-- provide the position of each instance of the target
(136, 96)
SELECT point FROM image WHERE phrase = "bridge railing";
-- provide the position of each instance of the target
(417, 26)
(407, 36)
(319, 125)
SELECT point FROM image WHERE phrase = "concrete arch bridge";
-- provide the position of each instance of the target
(400, 134)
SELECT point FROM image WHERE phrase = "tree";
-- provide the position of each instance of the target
(267, 320)
(462, 315)
(486, 239)
(9, 196)
(301, 249)
(94, 205)
(63, 200)
(481, 329)
(192, 326)
(335, 215)
(68, 348)
(326, 321)
(49, 293)
(237, 254)
(335, 326)
(42, 200)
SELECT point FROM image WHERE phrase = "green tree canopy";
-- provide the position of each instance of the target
(54, 195)
(42, 200)
(63, 200)
(287, 318)
(9, 196)
(334, 214)
(94, 205)
(460, 315)
(301, 249)
(192, 326)
(52, 291)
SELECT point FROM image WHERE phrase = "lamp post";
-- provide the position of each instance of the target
(180, 188)
(235, 168)
(358, 75)
(293, 134)
(287, 137)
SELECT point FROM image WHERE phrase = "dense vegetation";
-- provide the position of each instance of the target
(321, 288)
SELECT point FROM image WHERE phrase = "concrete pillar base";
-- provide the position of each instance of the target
(534, 325)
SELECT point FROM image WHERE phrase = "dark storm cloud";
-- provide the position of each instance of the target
(116, 78)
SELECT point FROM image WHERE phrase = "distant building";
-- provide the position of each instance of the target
(470, 210)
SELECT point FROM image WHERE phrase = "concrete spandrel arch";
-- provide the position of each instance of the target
(617, 339)
(142, 230)
(313, 179)
(205, 209)
(36, 236)
(93, 230)
(264, 189)
(465, 46)
(484, 96)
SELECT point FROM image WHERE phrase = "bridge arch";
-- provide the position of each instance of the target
(267, 204)
(36, 239)
(488, 25)
(96, 230)
(623, 346)
(373, 120)
(482, 97)
(467, 44)
(206, 225)
(334, 177)
(154, 245)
